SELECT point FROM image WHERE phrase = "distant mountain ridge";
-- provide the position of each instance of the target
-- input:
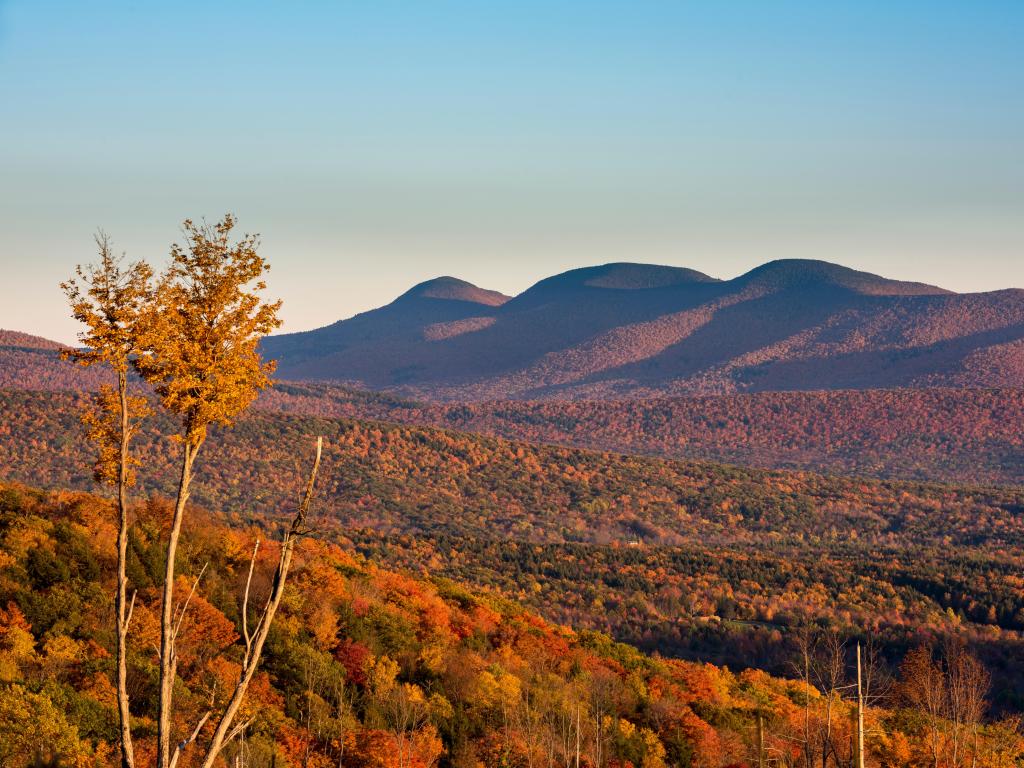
(17, 339)
(642, 330)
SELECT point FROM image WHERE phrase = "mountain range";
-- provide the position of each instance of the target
(640, 330)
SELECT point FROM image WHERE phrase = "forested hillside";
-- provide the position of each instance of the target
(367, 668)
(694, 559)
(958, 435)
(385, 475)
(34, 363)
(962, 435)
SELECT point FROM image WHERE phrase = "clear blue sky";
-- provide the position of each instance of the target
(376, 144)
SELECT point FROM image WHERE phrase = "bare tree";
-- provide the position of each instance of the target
(951, 693)
(406, 711)
(967, 682)
(922, 685)
(602, 704)
(828, 670)
(806, 641)
(226, 728)
(342, 701)
(826, 663)
(877, 679)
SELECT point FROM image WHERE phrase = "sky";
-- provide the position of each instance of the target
(377, 144)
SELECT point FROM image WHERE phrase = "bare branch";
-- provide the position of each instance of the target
(245, 603)
(184, 608)
(236, 731)
(259, 637)
(131, 610)
(300, 517)
(194, 735)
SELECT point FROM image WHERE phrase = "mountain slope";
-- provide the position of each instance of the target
(32, 362)
(646, 330)
(959, 434)
(945, 434)
(377, 338)
(17, 339)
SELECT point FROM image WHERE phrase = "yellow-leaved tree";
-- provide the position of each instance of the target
(109, 298)
(193, 335)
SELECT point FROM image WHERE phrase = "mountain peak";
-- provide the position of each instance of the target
(454, 289)
(625, 276)
(631, 276)
(616, 276)
(801, 273)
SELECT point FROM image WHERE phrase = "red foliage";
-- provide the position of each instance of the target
(353, 655)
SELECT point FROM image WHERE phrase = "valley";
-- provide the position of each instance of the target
(698, 560)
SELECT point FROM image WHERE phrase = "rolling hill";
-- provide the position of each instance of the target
(32, 362)
(691, 559)
(632, 330)
(956, 434)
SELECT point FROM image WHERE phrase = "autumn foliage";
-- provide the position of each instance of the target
(367, 667)
(693, 559)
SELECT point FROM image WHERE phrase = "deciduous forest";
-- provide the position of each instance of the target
(694, 559)
(369, 668)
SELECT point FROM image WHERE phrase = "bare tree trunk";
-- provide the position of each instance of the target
(341, 708)
(168, 663)
(577, 735)
(225, 729)
(123, 614)
(826, 743)
(830, 675)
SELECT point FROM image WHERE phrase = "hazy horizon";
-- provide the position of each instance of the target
(378, 146)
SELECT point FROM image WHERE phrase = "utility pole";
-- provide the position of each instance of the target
(860, 714)
(760, 739)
